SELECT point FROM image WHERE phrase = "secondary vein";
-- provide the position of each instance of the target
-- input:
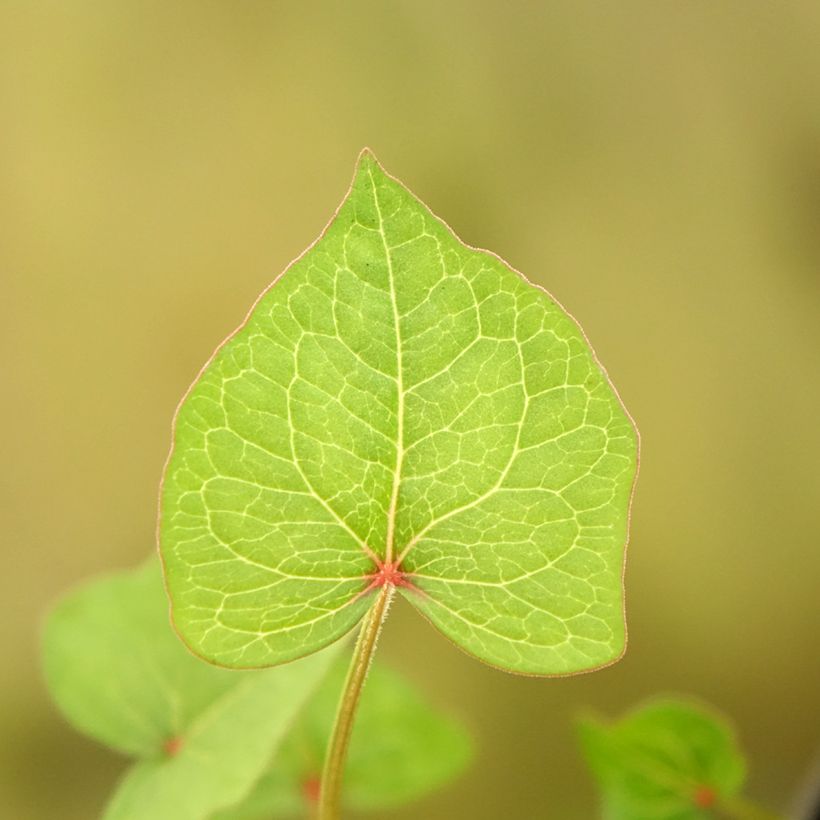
(365, 548)
(516, 450)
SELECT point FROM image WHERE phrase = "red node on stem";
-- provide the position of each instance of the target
(388, 572)
(311, 788)
(172, 746)
(704, 797)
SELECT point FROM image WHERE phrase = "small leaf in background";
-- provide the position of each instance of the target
(670, 760)
(401, 749)
(202, 736)
(401, 407)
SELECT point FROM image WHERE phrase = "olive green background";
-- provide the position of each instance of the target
(655, 165)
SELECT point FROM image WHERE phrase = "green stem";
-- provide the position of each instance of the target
(739, 808)
(333, 772)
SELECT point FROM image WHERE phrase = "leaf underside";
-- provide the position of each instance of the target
(670, 760)
(398, 397)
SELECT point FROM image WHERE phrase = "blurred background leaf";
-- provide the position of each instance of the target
(667, 760)
(656, 166)
(202, 735)
(401, 749)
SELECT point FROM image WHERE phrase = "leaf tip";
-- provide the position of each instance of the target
(588, 725)
(367, 161)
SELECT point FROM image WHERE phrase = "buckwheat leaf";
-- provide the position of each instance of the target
(401, 749)
(401, 408)
(670, 760)
(119, 674)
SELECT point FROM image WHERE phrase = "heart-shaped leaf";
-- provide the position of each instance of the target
(400, 408)
(119, 674)
(669, 760)
(401, 749)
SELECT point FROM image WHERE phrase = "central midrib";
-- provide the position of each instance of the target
(394, 494)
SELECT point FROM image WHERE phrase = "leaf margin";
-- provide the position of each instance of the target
(367, 153)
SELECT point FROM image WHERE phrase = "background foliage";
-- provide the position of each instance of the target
(654, 165)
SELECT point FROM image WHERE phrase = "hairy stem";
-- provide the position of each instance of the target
(329, 797)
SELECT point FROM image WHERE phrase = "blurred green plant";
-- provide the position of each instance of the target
(668, 760)
(400, 750)
(120, 675)
(401, 411)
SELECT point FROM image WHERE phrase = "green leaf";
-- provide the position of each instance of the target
(670, 760)
(202, 735)
(401, 749)
(400, 408)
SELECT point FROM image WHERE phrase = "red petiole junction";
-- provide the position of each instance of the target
(388, 572)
